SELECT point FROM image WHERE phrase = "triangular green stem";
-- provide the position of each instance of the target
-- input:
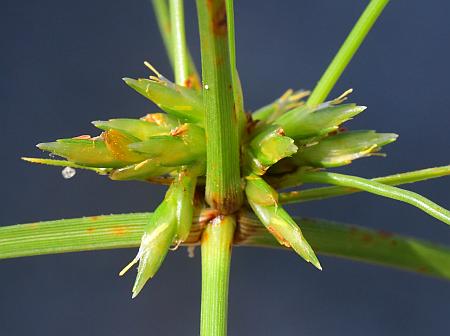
(223, 185)
(222, 98)
(217, 242)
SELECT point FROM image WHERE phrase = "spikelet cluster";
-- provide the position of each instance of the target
(170, 147)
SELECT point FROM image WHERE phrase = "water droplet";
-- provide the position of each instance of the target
(206, 86)
(68, 172)
(191, 251)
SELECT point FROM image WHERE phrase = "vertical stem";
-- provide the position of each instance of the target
(217, 240)
(223, 185)
(161, 10)
(346, 52)
(237, 87)
(180, 59)
(163, 19)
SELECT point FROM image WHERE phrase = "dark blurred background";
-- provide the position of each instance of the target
(61, 66)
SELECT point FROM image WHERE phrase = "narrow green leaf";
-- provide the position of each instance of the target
(326, 237)
(180, 52)
(347, 51)
(161, 10)
(236, 82)
(365, 245)
(327, 192)
(377, 188)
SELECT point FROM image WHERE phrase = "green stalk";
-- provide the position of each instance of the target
(377, 188)
(346, 52)
(237, 88)
(223, 185)
(163, 18)
(161, 9)
(180, 59)
(328, 192)
(217, 241)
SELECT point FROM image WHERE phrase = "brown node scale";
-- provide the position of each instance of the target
(204, 237)
(226, 204)
(244, 230)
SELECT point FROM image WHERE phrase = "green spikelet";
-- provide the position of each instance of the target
(303, 122)
(183, 103)
(267, 148)
(158, 235)
(85, 152)
(263, 199)
(343, 148)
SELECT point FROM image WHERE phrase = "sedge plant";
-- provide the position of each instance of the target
(226, 168)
